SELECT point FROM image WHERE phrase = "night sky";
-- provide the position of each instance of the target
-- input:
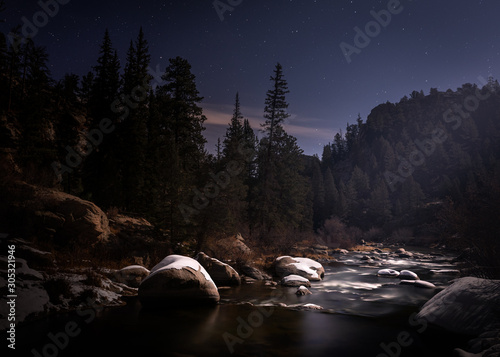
(425, 44)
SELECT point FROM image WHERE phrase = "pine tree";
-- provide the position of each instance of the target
(13, 58)
(107, 79)
(86, 87)
(230, 207)
(379, 204)
(331, 195)
(318, 188)
(102, 168)
(133, 133)
(339, 147)
(275, 110)
(281, 192)
(182, 144)
(249, 150)
(327, 157)
(234, 133)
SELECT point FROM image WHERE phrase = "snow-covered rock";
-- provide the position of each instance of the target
(312, 307)
(178, 279)
(408, 275)
(222, 273)
(468, 306)
(302, 290)
(131, 275)
(295, 280)
(389, 273)
(419, 284)
(445, 271)
(305, 267)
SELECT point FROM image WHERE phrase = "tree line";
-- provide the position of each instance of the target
(126, 139)
(121, 138)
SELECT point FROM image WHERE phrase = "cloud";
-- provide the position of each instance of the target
(311, 133)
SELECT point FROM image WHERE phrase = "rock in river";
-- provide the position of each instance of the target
(408, 275)
(221, 273)
(179, 280)
(302, 290)
(469, 306)
(389, 273)
(419, 284)
(295, 280)
(305, 267)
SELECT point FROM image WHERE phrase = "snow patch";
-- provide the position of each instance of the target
(289, 278)
(306, 265)
(179, 262)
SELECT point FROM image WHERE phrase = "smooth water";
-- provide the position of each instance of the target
(362, 315)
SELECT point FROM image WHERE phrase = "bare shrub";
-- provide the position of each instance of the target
(374, 234)
(402, 235)
(112, 212)
(336, 234)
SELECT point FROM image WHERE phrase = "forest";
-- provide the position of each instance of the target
(423, 170)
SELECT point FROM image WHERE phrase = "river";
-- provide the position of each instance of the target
(361, 315)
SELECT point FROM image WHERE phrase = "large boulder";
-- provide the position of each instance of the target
(131, 275)
(253, 272)
(229, 248)
(178, 280)
(305, 267)
(468, 306)
(42, 211)
(221, 273)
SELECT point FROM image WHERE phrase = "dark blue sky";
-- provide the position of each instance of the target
(439, 43)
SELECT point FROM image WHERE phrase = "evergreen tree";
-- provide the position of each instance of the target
(234, 133)
(318, 188)
(102, 171)
(280, 199)
(339, 147)
(229, 211)
(133, 131)
(180, 129)
(275, 110)
(331, 195)
(107, 79)
(327, 157)
(379, 204)
(86, 87)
